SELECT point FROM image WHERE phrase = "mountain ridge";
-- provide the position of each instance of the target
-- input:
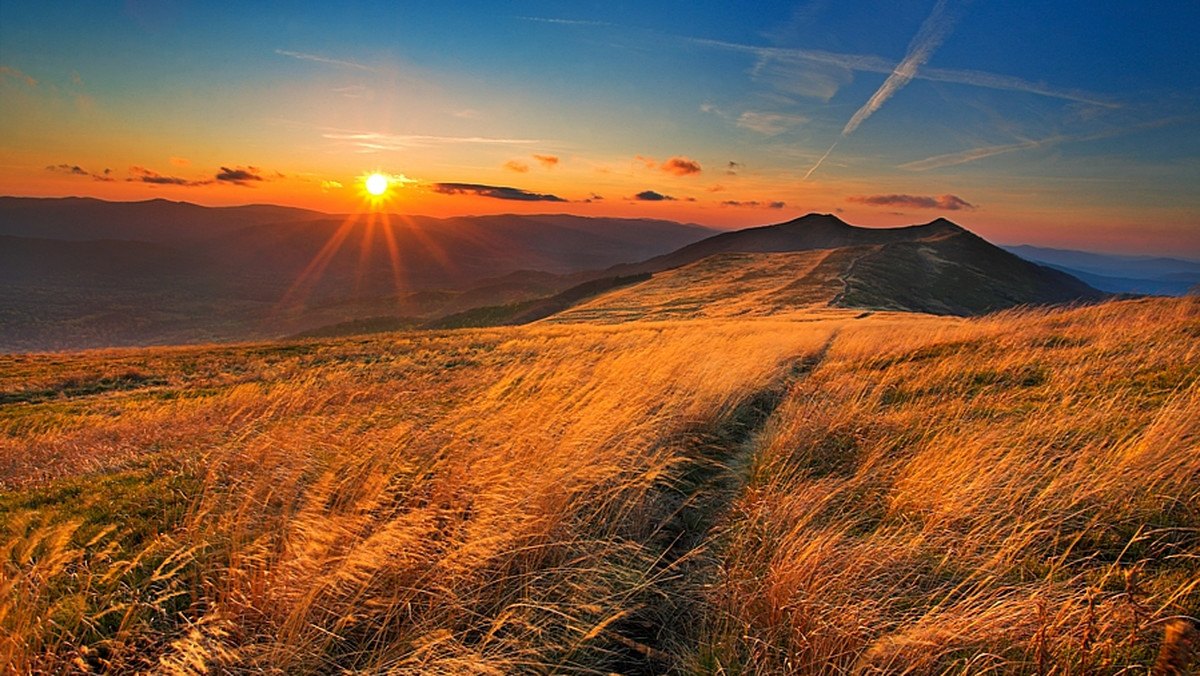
(236, 273)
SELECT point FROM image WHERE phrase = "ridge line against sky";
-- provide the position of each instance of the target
(717, 115)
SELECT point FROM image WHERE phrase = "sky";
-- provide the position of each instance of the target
(1071, 124)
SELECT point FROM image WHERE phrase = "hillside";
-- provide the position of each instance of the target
(819, 261)
(79, 273)
(894, 493)
(165, 272)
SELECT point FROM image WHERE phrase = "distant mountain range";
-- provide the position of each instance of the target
(79, 273)
(1119, 274)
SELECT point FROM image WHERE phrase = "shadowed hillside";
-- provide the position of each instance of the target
(937, 268)
(87, 273)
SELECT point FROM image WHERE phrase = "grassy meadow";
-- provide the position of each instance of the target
(832, 493)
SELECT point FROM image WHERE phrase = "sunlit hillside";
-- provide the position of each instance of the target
(726, 285)
(1018, 493)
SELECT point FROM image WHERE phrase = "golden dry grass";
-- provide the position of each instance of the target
(1016, 494)
(465, 502)
(728, 285)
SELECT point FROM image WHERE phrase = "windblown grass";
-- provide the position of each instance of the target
(474, 502)
(1017, 494)
(1014, 494)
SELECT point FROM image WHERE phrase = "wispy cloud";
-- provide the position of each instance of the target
(795, 62)
(1008, 83)
(769, 124)
(944, 202)
(16, 74)
(564, 22)
(323, 59)
(357, 92)
(972, 154)
(547, 161)
(76, 170)
(373, 141)
(493, 191)
(517, 166)
(73, 169)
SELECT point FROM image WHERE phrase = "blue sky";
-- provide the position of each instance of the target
(1064, 123)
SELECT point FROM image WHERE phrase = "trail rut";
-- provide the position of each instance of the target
(649, 640)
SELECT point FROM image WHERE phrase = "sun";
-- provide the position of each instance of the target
(377, 184)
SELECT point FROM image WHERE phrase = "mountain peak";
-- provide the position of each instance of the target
(815, 219)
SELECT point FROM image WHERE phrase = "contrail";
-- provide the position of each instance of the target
(322, 59)
(929, 37)
(814, 167)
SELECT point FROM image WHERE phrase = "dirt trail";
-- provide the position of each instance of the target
(719, 457)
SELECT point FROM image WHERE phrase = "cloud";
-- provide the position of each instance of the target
(951, 159)
(651, 196)
(68, 169)
(357, 92)
(548, 161)
(496, 192)
(770, 124)
(514, 165)
(76, 170)
(326, 186)
(681, 166)
(650, 162)
(754, 203)
(370, 141)
(594, 198)
(144, 175)
(565, 22)
(180, 162)
(17, 75)
(240, 175)
(802, 60)
(732, 168)
(972, 154)
(325, 60)
(802, 77)
(944, 202)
